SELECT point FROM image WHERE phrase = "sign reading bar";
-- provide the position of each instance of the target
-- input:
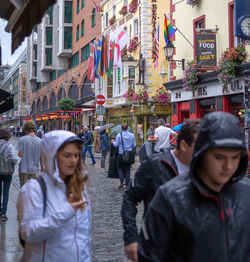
(206, 48)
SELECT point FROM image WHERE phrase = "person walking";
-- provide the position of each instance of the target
(28, 149)
(105, 147)
(6, 151)
(152, 173)
(150, 131)
(88, 144)
(63, 232)
(162, 136)
(200, 217)
(124, 141)
(40, 132)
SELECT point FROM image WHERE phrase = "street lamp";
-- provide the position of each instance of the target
(168, 51)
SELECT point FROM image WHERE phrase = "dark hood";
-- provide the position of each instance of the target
(219, 129)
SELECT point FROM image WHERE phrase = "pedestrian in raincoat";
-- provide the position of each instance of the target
(63, 233)
(204, 216)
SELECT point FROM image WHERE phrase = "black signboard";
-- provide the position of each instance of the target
(206, 48)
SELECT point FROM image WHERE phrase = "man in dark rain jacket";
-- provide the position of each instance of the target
(153, 172)
(204, 216)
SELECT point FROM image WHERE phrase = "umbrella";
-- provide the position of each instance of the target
(97, 127)
(118, 129)
(104, 127)
(177, 128)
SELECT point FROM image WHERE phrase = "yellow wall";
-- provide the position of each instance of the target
(216, 12)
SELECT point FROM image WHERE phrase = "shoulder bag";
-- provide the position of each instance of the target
(6, 164)
(128, 157)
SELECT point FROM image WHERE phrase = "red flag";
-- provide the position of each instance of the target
(91, 75)
(97, 7)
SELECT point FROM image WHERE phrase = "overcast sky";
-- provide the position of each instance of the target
(5, 39)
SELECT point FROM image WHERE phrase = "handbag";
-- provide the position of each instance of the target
(128, 157)
(6, 164)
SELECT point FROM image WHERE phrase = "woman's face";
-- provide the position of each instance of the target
(67, 160)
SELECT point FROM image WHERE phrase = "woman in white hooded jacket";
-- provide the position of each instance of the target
(63, 233)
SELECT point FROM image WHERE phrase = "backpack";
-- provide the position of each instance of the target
(39, 134)
(42, 184)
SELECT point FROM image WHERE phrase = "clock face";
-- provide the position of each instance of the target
(245, 26)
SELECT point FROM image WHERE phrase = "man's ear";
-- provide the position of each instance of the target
(183, 145)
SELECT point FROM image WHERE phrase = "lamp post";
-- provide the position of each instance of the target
(168, 51)
(246, 102)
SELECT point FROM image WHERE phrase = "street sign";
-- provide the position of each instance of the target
(100, 99)
(100, 118)
(100, 110)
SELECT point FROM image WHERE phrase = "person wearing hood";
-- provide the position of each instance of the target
(40, 132)
(204, 216)
(7, 151)
(63, 233)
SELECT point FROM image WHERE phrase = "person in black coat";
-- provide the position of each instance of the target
(153, 172)
(204, 216)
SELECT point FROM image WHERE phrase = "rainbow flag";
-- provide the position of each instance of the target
(34, 121)
(169, 30)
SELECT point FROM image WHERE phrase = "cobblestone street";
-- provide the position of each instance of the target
(107, 243)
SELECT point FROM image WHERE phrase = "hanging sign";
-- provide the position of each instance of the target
(206, 48)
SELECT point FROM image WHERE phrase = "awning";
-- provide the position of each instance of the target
(6, 101)
(22, 16)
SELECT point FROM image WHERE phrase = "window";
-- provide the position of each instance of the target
(136, 27)
(49, 14)
(48, 56)
(74, 60)
(34, 69)
(93, 17)
(60, 72)
(117, 82)
(67, 37)
(125, 29)
(52, 75)
(68, 12)
(82, 28)
(85, 53)
(35, 51)
(107, 19)
(48, 35)
(77, 6)
(82, 3)
(130, 30)
(114, 10)
(125, 2)
(199, 22)
(77, 32)
(131, 76)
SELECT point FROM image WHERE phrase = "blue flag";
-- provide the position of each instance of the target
(98, 56)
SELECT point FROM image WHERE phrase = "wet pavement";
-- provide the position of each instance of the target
(107, 243)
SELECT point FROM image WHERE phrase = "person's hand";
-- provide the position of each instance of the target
(78, 204)
(131, 251)
(112, 141)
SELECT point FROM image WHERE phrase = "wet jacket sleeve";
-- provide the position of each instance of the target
(33, 226)
(139, 190)
(157, 230)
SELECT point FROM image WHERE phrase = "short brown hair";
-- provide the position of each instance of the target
(124, 126)
(29, 127)
(5, 134)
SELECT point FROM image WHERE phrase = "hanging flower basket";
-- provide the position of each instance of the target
(133, 6)
(129, 94)
(124, 10)
(161, 96)
(190, 78)
(124, 51)
(112, 20)
(193, 3)
(227, 63)
(133, 44)
(141, 95)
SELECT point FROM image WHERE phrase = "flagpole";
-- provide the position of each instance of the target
(179, 31)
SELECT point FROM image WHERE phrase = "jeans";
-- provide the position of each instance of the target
(103, 159)
(89, 149)
(123, 170)
(5, 181)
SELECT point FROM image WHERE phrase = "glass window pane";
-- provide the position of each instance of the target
(68, 12)
(67, 37)
(48, 35)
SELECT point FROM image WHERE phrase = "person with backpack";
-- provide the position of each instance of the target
(88, 144)
(58, 230)
(40, 132)
(8, 160)
(105, 146)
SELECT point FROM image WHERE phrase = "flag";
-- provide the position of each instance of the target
(98, 8)
(121, 39)
(34, 121)
(169, 30)
(102, 71)
(156, 62)
(91, 75)
(111, 52)
(105, 54)
(98, 56)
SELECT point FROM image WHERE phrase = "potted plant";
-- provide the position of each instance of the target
(193, 3)
(129, 94)
(190, 78)
(133, 44)
(133, 6)
(124, 51)
(124, 10)
(161, 95)
(141, 95)
(112, 20)
(227, 63)
(66, 104)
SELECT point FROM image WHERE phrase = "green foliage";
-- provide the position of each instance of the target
(66, 104)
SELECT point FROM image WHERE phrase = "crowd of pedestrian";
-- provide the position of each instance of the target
(195, 193)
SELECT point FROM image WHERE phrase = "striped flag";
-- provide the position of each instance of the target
(98, 56)
(34, 121)
(156, 62)
(91, 75)
(97, 7)
(169, 30)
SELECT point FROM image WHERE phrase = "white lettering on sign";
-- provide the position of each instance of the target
(206, 45)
